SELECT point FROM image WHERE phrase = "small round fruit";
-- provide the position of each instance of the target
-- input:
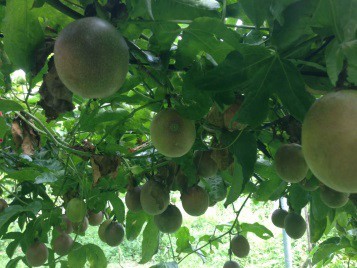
(154, 198)
(37, 254)
(290, 164)
(132, 199)
(231, 264)
(240, 246)
(80, 227)
(195, 201)
(91, 58)
(3, 205)
(205, 165)
(76, 210)
(171, 134)
(309, 185)
(95, 219)
(170, 220)
(114, 234)
(62, 244)
(332, 198)
(278, 217)
(65, 225)
(329, 140)
(102, 228)
(295, 225)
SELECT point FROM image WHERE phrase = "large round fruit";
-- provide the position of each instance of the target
(91, 58)
(65, 225)
(329, 140)
(102, 228)
(295, 225)
(3, 205)
(62, 244)
(231, 264)
(278, 217)
(95, 219)
(76, 210)
(332, 198)
(205, 165)
(195, 201)
(240, 246)
(114, 234)
(170, 220)
(154, 198)
(37, 254)
(132, 199)
(171, 134)
(290, 164)
(81, 227)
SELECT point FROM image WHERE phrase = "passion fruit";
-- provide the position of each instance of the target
(170, 220)
(37, 254)
(132, 199)
(154, 197)
(240, 246)
(205, 165)
(76, 210)
(195, 201)
(278, 217)
(114, 234)
(294, 225)
(332, 198)
(62, 244)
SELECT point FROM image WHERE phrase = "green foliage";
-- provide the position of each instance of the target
(276, 56)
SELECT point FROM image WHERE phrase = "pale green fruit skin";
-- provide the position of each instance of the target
(240, 246)
(332, 198)
(76, 210)
(154, 198)
(91, 58)
(329, 140)
(290, 164)
(170, 220)
(114, 234)
(37, 254)
(62, 244)
(205, 165)
(294, 225)
(171, 134)
(231, 264)
(195, 201)
(278, 217)
(102, 228)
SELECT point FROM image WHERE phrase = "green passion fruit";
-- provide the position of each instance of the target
(294, 225)
(195, 201)
(332, 198)
(170, 220)
(278, 217)
(76, 210)
(240, 246)
(154, 197)
(37, 254)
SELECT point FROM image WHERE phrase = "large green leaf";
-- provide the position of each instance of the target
(236, 181)
(9, 105)
(256, 10)
(298, 198)
(150, 244)
(22, 33)
(183, 239)
(77, 257)
(118, 207)
(95, 256)
(134, 223)
(278, 6)
(256, 228)
(334, 60)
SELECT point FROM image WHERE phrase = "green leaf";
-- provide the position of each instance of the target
(166, 265)
(46, 177)
(134, 224)
(3, 127)
(163, 35)
(11, 247)
(22, 33)
(334, 60)
(298, 198)
(9, 106)
(95, 256)
(9, 213)
(25, 174)
(256, 10)
(77, 257)
(258, 229)
(13, 262)
(236, 180)
(183, 239)
(141, 10)
(324, 252)
(318, 208)
(150, 244)
(118, 207)
(348, 49)
(278, 6)
(317, 227)
(203, 36)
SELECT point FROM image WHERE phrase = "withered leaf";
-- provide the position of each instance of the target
(103, 165)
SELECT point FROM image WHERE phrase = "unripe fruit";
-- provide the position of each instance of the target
(195, 201)
(132, 199)
(295, 225)
(154, 198)
(332, 198)
(65, 225)
(62, 244)
(329, 140)
(91, 58)
(278, 217)
(290, 164)
(3, 205)
(102, 228)
(37, 254)
(240, 246)
(170, 220)
(76, 210)
(205, 165)
(231, 264)
(95, 219)
(80, 227)
(171, 134)
(114, 234)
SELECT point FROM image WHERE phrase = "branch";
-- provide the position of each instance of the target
(64, 9)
